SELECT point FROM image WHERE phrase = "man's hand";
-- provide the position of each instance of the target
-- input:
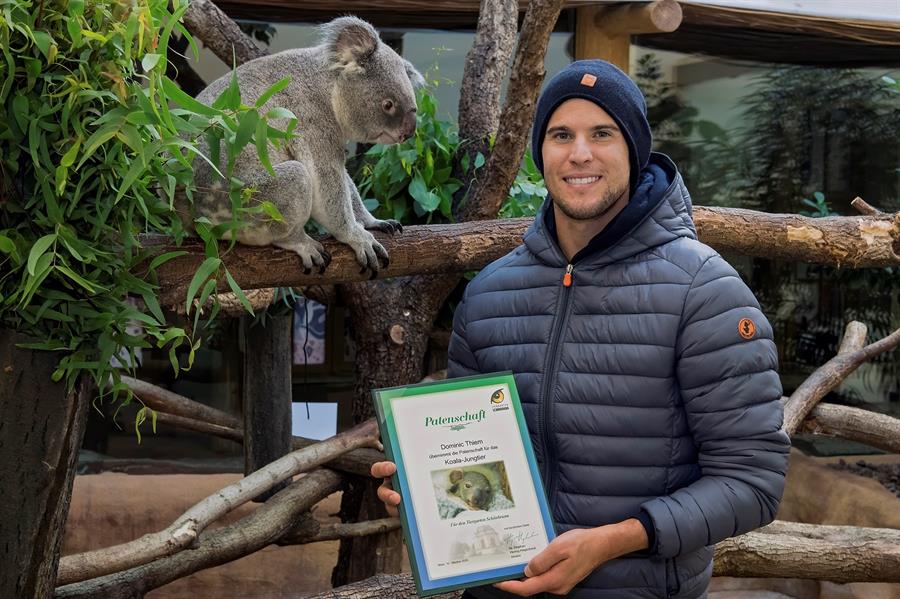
(571, 556)
(386, 493)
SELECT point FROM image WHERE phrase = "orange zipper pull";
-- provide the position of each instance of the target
(567, 278)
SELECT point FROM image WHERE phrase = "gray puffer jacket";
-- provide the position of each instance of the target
(647, 384)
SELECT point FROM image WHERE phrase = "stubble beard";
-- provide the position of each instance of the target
(594, 210)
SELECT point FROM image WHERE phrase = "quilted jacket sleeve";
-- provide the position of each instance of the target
(726, 368)
(461, 361)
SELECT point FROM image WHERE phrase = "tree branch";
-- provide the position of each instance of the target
(876, 430)
(185, 530)
(829, 376)
(219, 33)
(163, 400)
(439, 249)
(490, 189)
(333, 532)
(253, 532)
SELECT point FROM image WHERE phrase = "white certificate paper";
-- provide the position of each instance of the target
(473, 510)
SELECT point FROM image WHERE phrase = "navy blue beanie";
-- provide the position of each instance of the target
(609, 88)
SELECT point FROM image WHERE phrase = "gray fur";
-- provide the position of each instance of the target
(350, 87)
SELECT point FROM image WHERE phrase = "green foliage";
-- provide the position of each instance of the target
(419, 169)
(527, 192)
(819, 205)
(95, 145)
(412, 181)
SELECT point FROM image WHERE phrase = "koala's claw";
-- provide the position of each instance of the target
(326, 260)
(389, 226)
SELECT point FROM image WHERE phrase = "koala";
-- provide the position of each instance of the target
(350, 87)
(473, 488)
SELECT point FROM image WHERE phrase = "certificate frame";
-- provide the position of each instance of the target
(450, 549)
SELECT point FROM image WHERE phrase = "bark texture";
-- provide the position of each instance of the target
(251, 533)
(791, 550)
(41, 427)
(483, 74)
(491, 188)
(219, 33)
(871, 241)
(381, 586)
(840, 241)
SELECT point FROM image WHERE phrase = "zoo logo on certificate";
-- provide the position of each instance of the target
(474, 510)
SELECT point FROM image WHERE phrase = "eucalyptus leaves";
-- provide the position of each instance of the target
(95, 141)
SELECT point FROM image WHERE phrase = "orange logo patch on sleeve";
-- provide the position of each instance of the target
(747, 328)
(588, 80)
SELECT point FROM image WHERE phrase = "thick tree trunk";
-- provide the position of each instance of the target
(266, 390)
(872, 241)
(391, 322)
(41, 427)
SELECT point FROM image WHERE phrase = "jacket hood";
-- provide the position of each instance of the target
(658, 212)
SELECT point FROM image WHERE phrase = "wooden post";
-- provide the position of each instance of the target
(267, 393)
(605, 31)
(41, 428)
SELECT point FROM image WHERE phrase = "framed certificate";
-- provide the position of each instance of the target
(474, 509)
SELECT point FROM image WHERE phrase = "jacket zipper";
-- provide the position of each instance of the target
(550, 365)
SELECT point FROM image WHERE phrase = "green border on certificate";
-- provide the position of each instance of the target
(474, 510)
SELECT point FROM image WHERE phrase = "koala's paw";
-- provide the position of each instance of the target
(311, 252)
(390, 226)
(371, 255)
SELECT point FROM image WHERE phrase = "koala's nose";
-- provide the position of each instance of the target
(409, 124)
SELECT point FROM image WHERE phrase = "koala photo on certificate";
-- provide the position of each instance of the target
(474, 508)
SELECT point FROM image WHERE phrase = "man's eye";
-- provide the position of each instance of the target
(602, 133)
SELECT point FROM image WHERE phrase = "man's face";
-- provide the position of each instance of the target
(585, 154)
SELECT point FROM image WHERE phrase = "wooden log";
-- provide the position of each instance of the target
(266, 391)
(810, 551)
(250, 534)
(187, 528)
(876, 430)
(381, 586)
(41, 428)
(840, 241)
(605, 31)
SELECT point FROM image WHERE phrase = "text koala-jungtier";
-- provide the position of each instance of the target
(350, 87)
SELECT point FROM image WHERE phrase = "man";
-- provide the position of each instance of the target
(645, 367)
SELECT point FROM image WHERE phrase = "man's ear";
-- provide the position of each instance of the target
(415, 76)
(349, 40)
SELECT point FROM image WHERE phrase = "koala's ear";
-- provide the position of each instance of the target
(456, 476)
(349, 40)
(414, 76)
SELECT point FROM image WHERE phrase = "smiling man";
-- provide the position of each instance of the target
(646, 370)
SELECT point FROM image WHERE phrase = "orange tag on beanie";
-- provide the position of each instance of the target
(588, 80)
(747, 328)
